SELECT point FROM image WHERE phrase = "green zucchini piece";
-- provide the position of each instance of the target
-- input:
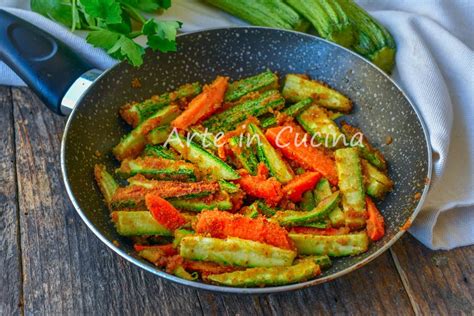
(205, 139)
(307, 202)
(235, 251)
(292, 110)
(295, 218)
(254, 277)
(366, 150)
(377, 183)
(179, 234)
(134, 143)
(221, 202)
(138, 223)
(334, 246)
(232, 117)
(106, 182)
(265, 209)
(181, 272)
(373, 40)
(271, 13)
(158, 135)
(272, 158)
(349, 172)
(298, 87)
(319, 224)
(135, 113)
(265, 81)
(328, 18)
(315, 120)
(152, 255)
(323, 190)
(323, 260)
(206, 161)
(251, 211)
(172, 189)
(244, 154)
(158, 168)
(228, 187)
(160, 152)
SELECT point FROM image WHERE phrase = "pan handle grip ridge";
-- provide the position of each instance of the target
(44, 63)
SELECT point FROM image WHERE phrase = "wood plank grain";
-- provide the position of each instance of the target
(67, 270)
(374, 289)
(10, 267)
(439, 282)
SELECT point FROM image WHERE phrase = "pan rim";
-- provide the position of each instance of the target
(239, 290)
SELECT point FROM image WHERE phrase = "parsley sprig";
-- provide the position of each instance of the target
(114, 24)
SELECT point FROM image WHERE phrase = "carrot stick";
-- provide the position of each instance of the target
(203, 105)
(219, 224)
(300, 184)
(293, 147)
(260, 187)
(375, 222)
(163, 212)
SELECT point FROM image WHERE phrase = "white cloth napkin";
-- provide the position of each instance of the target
(435, 66)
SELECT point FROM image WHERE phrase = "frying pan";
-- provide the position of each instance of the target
(65, 83)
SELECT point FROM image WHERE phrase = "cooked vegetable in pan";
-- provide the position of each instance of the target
(245, 183)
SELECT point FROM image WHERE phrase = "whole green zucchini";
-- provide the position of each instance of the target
(272, 13)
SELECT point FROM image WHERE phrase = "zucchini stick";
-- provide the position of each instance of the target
(158, 135)
(206, 161)
(322, 191)
(137, 223)
(295, 218)
(292, 111)
(316, 121)
(265, 81)
(160, 152)
(334, 246)
(367, 151)
(232, 117)
(134, 143)
(158, 168)
(235, 251)
(351, 185)
(299, 87)
(135, 113)
(270, 157)
(302, 271)
(219, 202)
(106, 182)
(244, 154)
(377, 183)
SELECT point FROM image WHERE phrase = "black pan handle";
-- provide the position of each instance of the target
(44, 63)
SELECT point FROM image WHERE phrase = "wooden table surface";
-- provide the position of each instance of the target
(52, 264)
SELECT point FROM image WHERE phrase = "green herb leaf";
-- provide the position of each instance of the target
(59, 11)
(126, 48)
(107, 10)
(103, 38)
(163, 45)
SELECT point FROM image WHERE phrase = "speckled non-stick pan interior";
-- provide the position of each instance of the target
(381, 110)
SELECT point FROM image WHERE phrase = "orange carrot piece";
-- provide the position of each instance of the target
(221, 224)
(300, 184)
(292, 145)
(320, 231)
(375, 222)
(260, 187)
(163, 212)
(203, 105)
(168, 249)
